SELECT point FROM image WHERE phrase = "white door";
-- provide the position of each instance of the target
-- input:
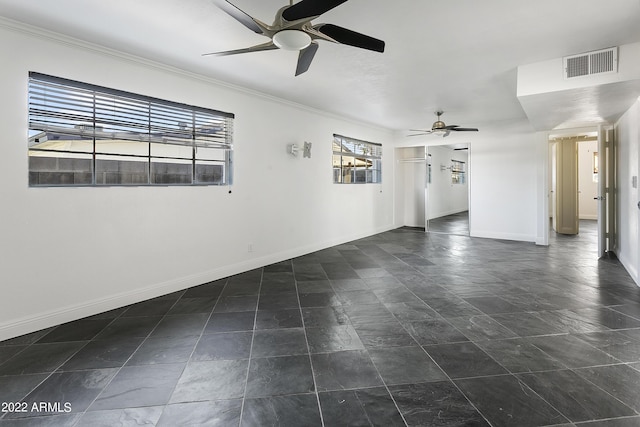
(603, 155)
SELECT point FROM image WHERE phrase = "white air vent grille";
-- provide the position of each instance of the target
(596, 62)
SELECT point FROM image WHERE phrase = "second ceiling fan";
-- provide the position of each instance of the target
(440, 128)
(292, 30)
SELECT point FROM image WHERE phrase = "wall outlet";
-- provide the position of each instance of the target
(250, 247)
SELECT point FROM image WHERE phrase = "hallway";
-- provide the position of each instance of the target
(401, 328)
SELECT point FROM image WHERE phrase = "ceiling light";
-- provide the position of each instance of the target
(291, 39)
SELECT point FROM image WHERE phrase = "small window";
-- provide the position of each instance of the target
(458, 172)
(87, 135)
(355, 161)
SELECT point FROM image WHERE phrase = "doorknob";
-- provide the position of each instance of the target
(600, 198)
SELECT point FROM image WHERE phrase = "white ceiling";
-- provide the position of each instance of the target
(456, 55)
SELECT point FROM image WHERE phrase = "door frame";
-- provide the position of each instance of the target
(544, 190)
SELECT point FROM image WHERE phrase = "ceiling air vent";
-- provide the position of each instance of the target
(596, 62)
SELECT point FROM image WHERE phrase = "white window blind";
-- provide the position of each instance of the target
(83, 134)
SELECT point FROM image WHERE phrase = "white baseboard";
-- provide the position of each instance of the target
(504, 236)
(56, 316)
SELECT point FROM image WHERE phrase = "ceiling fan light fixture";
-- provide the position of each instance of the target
(292, 39)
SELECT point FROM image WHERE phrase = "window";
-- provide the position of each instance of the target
(356, 161)
(457, 172)
(87, 135)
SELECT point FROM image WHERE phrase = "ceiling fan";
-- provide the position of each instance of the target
(440, 128)
(292, 30)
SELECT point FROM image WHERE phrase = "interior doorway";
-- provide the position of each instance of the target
(578, 184)
(447, 189)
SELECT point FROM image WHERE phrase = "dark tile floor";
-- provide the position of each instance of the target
(401, 328)
(457, 223)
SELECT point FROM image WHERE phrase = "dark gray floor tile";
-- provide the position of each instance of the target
(279, 342)
(274, 376)
(154, 307)
(619, 344)
(313, 286)
(74, 391)
(40, 358)
(26, 339)
(112, 353)
(324, 316)
(616, 422)
(230, 322)
(405, 365)
(278, 319)
(505, 401)
(277, 287)
(333, 338)
(137, 386)
(363, 407)
(570, 322)
(211, 380)
(180, 325)
(282, 301)
(396, 295)
(223, 346)
(7, 352)
(464, 360)
(519, 355)
(572, 351)
(279, 267)
(15, 388)
(319, 299)
(241, 289)
(66, 420)
(193, 305)
(610, 318)
(452, 307)
(492, 305)
(344, 370)
(220, 413)
(148, 416)
(388, 334)
(436, 331)
(527, 324)
(576, 398)
(345, 285)
(282, 411)
(481, 328)
(361, 297)
(211, 289)
(435, 404)
(411, 311)
(236, 303)
(630, 309)
(369, 314)
(309, 272)
(621, 381)
(80, 330)
(129, 327)
(154, 351)
(339, 270)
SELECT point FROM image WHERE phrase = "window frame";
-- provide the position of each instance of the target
(94, 129)
(370, 154)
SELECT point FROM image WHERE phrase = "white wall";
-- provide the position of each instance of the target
(445, 198)
(71, 252)
(588, 189)
(627, 132)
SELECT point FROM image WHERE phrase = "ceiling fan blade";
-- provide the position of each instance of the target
(350, 37)
(309, 9)
(305, 57)
(421, 132)
(446, 134)
(258, 48)
(465, 129)
(239, 15)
